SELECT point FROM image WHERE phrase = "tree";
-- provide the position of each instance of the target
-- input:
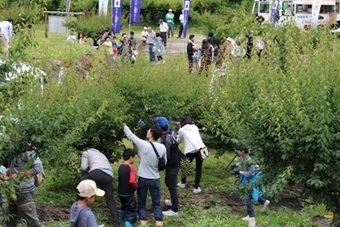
(286, 107)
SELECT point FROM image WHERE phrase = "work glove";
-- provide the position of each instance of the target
(236, 172)
(233, 167)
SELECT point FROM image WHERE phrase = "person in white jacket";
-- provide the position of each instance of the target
(190, 136)
(6, 31)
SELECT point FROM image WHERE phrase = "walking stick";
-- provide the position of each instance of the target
(230, 162)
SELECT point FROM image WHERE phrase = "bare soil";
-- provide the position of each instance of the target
(206, 200)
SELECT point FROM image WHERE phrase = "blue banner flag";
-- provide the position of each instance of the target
(116, 15)
(135, 6)
(186, 16)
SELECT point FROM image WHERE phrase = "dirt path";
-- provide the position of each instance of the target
(175, 45)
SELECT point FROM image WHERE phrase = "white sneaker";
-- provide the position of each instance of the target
(264, 206)
(170, 213)
(246, 218)
(197, 190)
(163, 62)
(168, 202)
(181, 185)
(252, 222)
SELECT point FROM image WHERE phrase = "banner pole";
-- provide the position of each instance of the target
(130, 16)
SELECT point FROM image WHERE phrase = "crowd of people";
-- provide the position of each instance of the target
(201, 57)
(157, 140)
(99, 173)
(126, 47)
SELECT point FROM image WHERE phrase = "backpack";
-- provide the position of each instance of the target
(29, 156)
(175, 153)
(39, 178)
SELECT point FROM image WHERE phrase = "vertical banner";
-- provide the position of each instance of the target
(102, 7)
(186, 16)
(135, 6)
(274, 11)
(315, 13)
(116, 15)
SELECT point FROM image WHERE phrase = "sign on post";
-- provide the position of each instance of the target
(186, 17)
(116, 15)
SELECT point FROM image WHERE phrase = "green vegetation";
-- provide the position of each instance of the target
(285, 106)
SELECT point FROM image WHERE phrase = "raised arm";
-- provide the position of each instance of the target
(130, 135)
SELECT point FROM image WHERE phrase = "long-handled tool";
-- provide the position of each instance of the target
(230, 162)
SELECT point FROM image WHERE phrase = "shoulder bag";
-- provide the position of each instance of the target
(161, 160)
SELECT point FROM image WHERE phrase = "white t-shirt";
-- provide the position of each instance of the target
(6, 29)
(163, 27)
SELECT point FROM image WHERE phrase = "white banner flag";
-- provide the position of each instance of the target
(103, 5)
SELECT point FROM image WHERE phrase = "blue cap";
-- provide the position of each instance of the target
(162, 122)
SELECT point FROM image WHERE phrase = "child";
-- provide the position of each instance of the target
(71, 37)
(126, 188)
(80, 213)
(160, 49)
(114, 47)
(144, 35)
(249, 173)
(196, 59)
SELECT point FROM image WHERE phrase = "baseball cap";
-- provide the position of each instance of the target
(162, 121)
(170, 9)
(145, 28)
(88, 188)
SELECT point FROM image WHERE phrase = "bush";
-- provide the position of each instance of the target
(273, 105)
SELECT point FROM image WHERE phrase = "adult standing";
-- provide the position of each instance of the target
(149, 178)
(181, 24)
(190, 136)
(23, 169)
(125, 48)
(163, 29)
(99, 170)
(6, 30)
(173, 164)
(249, 174)
(169, 18)
(190, 51)
(207, 56)
(151, 40)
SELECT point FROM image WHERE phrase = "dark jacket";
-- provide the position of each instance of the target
(172, 151)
